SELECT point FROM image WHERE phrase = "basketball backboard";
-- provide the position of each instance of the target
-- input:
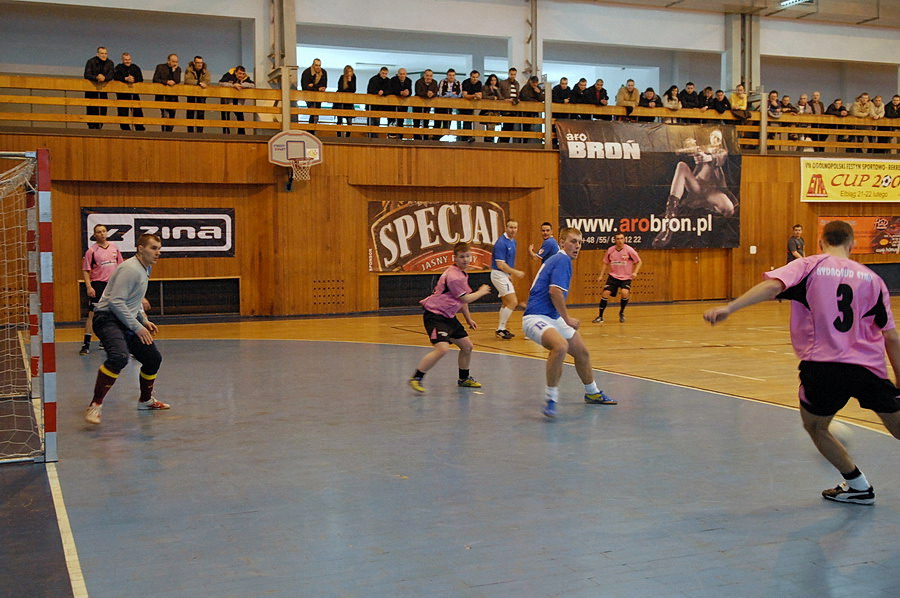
(290, 145)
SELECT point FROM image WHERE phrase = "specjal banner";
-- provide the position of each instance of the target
(871, 234)
(662, 185)
(824, 180)
(419, 237)
(185, 232)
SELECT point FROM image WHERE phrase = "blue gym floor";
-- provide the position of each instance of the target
(294, 468)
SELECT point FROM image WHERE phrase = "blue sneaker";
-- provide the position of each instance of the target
(549, 409)
(599, 399)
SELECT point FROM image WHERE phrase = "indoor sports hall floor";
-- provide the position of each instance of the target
(296, 462)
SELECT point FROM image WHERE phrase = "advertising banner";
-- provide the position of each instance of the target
(185, 232)
(419, 237)
(832, 179)
(662, 185)
(871, 234)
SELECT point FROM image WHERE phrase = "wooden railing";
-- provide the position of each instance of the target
(30, 101)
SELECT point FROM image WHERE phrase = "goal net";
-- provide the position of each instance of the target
(23, 334)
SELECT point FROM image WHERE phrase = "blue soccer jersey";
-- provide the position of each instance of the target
(504, 249)
(548, 249)
(556, 271)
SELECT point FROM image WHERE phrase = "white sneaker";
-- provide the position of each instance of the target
(152, 405)
(92, 414)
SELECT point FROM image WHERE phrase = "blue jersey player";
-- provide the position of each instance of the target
(548, 323)
(549, 247)
(503, 270)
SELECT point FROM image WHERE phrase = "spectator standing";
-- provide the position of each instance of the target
(818, 109)
(490, 91)
(531, 93)
(346, 84)
(892, 112)
(706, 98)
(670, 100)
(509, 91)
(314, 78)
(168, 74)
(560, 94)
(450, 88)
(837, 108)
(426, 88)
(649, 99)
(197, 74)
(689, 96)
(803, 109)
(861, 108)
(628, 96)
(471, 90)
(720, 103)
(401, 86)
(878, 114)
(599, 98)
(786, 106)
(129, 73)
(237, 79)
(99, 69)
(738, 98)
(379, 85)
(580, 96)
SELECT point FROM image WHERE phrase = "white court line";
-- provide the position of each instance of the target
(76, 577)
(733, 375)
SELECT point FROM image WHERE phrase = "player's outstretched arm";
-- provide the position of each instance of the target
(892, 347)
(766, 290)
(476, 295)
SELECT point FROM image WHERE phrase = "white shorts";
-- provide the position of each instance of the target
(502, 283)
(535, 325)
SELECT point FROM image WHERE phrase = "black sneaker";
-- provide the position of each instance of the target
(508, 335)
(84, 350)
(621, 318)
(844, 493)
(597, 320)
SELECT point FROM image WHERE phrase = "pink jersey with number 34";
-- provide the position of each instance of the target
(838, 312)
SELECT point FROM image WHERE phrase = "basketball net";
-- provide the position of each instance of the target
(300, 168)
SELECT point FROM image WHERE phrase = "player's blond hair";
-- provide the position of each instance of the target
(569, 230)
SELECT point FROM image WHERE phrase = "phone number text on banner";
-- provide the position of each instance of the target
(664, 186)
(871, 234)
(833, 180)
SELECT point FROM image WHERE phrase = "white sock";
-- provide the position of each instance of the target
(859, 482)
(505, 312)
(591, 389)
(552, 393)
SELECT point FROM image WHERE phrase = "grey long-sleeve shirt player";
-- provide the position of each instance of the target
(124, 292)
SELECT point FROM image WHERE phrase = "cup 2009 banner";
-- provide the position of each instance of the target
(848, 180)
(419, 237)
(662, 185)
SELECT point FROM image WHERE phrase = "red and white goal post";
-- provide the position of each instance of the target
(27, 331)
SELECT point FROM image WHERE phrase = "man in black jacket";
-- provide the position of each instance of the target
(689, 97)
(99, 69)
(128, 72)
(379, 85)
(426, 88)
(401, 86)
(168, 74)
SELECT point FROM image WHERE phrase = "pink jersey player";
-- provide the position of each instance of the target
(841, 328)
(621, 261)
(838, 312)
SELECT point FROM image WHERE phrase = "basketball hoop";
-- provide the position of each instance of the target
(300, 168)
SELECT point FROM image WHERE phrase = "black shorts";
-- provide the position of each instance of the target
(441, 329)
(99, 286)
(825, 387)
(614, 284)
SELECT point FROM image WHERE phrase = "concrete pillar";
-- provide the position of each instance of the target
(740, 61)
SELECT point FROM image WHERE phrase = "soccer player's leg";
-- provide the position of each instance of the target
(579, 351)
(465, 379)
(150, 360)
(623, 302)
(112, 336)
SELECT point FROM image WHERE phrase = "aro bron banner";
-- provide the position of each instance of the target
(843, 180)
(664, 186)
(419, 237)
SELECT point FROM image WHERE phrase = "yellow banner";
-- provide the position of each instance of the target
(832, 180)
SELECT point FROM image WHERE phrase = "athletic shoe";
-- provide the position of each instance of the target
(844, 493)
(469, 382)
(597, 320)
(152, 405)
(92, 414)
(84, 350)
(621, 318)
(101, 347)
(416, 384)
(549, 409)
(508, 335)
(599, 398)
